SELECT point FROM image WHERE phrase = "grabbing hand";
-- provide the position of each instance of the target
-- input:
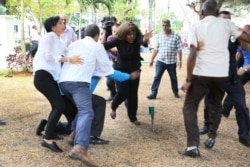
(241, 71)
(76, 60)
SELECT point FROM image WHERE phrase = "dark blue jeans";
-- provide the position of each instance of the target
(236, 97)
(160, 68)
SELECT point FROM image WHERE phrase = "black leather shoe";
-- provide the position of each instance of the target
(225, 114)
(194, 153)
(204, 130)
(176, 95)
(40, 127)
(150, 97)
(52, 147)
(209, 143)
(2, 122)
(136, 122)
(245, 142)
(97, 140)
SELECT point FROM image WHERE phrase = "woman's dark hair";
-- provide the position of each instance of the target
(92, 30)
(51, 22)
(125, 28)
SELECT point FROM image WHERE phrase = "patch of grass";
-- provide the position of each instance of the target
(4, 72)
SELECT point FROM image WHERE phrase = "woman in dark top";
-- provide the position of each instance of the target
(128, 41)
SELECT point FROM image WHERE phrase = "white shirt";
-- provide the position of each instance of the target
(49, 52)
(68, 36)
(96, 61)
(213, 57)
(34, 35)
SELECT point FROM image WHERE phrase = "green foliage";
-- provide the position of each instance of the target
(125, 11)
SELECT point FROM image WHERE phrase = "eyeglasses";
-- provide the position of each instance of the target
(165, 25)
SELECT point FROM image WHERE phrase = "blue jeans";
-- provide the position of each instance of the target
(80, 94)
(160, 68)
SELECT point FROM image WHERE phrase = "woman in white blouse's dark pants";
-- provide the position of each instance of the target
(47, 66)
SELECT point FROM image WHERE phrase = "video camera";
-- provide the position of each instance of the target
(108, 22)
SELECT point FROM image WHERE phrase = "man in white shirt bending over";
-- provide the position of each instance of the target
(75, 81)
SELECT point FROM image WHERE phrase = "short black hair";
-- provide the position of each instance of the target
(92, 30)
(224, 12)
(166, 21)
(51, 22)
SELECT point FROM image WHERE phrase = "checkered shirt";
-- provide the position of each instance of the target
(168, 46)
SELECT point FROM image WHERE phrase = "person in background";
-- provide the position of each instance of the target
(34, 39)
(128, 41)
(235, 92)
(68, 36)
(2, 122)
(47, 67)
(112, 53)
(207, 71)
(168, 46)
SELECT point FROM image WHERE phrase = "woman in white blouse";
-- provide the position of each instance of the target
(47, 66)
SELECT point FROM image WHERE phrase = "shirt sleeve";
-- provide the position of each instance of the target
(51, 43)
(235, 30)
(103, 64)
(119, 76)
(110, 44)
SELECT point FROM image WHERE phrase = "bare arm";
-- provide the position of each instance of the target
(244, 37)
(179, 63)
(190, 66)
(155, 52)
(103, 36)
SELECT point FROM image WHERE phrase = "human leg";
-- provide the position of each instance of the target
(159, 70)
(205, 127)
(236, 93)
(171, 68)
(133, 100)
(216, 93)
(80, 93)
(227, 106)
(111, 86)
(99, 108)
(44, 83)
(121, 95)
(191, 103)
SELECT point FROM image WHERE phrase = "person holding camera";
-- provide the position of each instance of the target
(110, 27)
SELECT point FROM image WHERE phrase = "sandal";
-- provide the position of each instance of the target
(113, 114)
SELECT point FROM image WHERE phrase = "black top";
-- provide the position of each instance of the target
(232, 47)
(128, 57)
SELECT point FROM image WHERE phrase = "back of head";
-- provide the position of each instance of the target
(210, 7)
(92, 30)
(246, 28)
(125, 28)
(224, 14)
(51, 22)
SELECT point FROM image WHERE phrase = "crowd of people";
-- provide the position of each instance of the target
(67, 70)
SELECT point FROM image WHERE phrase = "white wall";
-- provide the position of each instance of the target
(7, 38)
